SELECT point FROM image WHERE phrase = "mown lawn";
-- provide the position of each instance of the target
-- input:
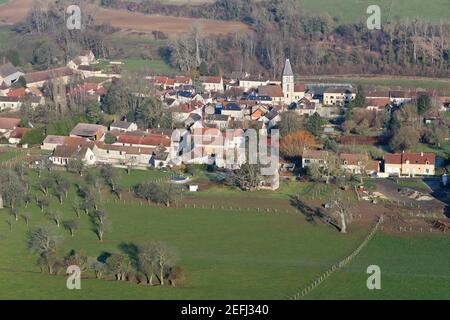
(412, 267)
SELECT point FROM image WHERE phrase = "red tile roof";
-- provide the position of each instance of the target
(299, 87)
(9, 123)
(148, 140)
(18, 132)
(211, 79)
(19, 93)
(413, 158)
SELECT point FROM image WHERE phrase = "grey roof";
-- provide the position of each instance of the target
(287, 69)
(121, 124)
(7, 69)
(87, 129)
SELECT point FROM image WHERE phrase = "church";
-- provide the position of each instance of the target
(288, 91)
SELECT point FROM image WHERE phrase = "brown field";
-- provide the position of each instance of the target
(15, 11)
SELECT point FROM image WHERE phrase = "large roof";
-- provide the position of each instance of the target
(87, 129)
(7, 69)
(9, 123)
(412, 158)
(48, 74)
(287, 69)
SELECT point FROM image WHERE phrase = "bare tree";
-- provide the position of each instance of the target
(342, 210)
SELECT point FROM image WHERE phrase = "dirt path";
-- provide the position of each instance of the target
(16, 10)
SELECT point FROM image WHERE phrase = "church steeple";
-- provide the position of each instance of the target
(287, 69)
(287, 83)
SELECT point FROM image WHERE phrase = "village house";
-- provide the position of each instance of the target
(271, 118)
(123, 126)
(158, 141)
(122, 155)
(219, 121)
(10, 103)
(7, 125)
(313, 156)
(304, 106)
(232, 109)
(400, 97)
(252, 83)
(410, 164)
(378, 104)
(355, 163)
(338, 95)
(17, 134)
(63, 154)
(38, 78)
(9, 73)
(91, 131)
(214, 84)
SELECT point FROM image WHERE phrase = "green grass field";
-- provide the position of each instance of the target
(442, 85)
(227, 254)
(412, 267)
(352, 10)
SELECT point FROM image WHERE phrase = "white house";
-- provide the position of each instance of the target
(212, 83)
(124, 126)
(9, 73)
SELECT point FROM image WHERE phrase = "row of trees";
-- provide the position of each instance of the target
(136, 263)
(165, 193)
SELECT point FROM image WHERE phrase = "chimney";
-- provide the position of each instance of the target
(421, 154)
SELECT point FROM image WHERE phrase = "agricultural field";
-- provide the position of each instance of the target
(385, 82)
(412, 267)
(352, 10)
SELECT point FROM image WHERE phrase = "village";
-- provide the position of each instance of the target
(224, 150)
(224, 105)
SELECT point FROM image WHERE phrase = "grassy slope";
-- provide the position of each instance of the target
(442, 85)
(411, 268)
(352, 10)
(226, 254)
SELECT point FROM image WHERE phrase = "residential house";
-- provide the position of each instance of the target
(252, 83)
(10, 103)
(38, 78)
(233, 110)
(410, 164)
(9, 73)
(159, 141)
(16, 135)
(314, 156)
(355, 163)
(7, 125)
(219, 121)
(271, 118)
(124, 126)
(214, 84)
(378, 104)
(63, 154)
(338, 95)
(400, 97)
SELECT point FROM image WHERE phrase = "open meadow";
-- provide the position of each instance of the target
(236, 253)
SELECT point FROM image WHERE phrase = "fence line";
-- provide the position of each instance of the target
(304, 291)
